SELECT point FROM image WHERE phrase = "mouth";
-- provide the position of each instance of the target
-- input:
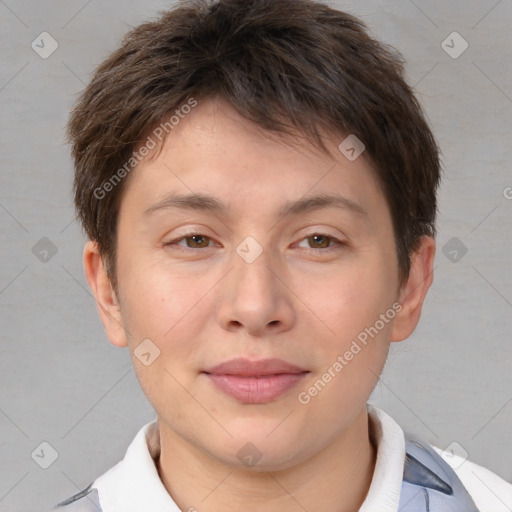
(255, 382)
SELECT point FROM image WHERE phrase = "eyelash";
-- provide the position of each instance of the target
(336, 243)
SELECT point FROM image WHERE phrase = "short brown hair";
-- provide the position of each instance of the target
(291, 66)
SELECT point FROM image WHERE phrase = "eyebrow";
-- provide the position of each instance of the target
(200, 202)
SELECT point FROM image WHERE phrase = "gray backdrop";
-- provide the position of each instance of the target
(62, 382)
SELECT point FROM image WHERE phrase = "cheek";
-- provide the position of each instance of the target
(347, 301)
(161, 309)
(169, 308)
(154, 301)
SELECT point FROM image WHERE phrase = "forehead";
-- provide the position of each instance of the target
(235, 167)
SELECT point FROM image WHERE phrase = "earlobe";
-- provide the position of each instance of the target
(414, 290)
(104, 294)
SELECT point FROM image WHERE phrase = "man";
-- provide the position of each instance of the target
(258, 184)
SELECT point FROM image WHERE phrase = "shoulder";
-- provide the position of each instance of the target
(445, 476)
(125, 485)
(84, 501)
(490, 492)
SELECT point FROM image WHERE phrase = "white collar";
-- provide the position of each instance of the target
(133, 484)
(388, 437)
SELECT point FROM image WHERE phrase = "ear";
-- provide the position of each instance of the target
(414, 290)
(103, 291)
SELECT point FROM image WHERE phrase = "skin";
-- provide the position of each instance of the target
(201, 304)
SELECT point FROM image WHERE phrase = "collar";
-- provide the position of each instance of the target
(133, 484)
(388, 438)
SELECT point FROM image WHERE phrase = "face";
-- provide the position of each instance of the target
(258, 270)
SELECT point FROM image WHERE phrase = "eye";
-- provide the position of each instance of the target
(319, 241)
(322, 242)
(198, 241)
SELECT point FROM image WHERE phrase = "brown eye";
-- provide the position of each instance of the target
(319, 241)
(198, 241)
(192, 241)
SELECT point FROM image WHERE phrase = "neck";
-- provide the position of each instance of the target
(335, 479)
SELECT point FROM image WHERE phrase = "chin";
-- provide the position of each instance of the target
(260, 453)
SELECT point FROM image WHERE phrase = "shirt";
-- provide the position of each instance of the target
(401, 482)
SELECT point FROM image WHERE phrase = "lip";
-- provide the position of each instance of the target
(243, 367)
(255, 382)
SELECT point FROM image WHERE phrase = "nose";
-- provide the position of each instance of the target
(256, 297)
